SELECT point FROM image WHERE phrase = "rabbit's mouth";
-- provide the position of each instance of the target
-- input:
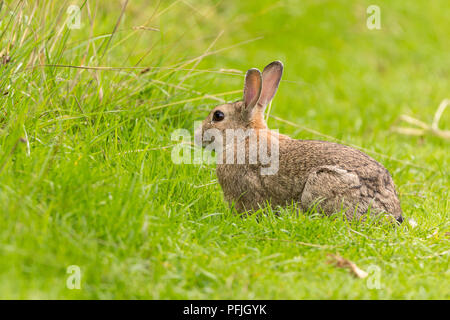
(206, 141)
(201, 139)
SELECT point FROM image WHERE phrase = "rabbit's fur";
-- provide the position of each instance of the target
(327, 175)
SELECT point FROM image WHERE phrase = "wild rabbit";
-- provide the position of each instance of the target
(327, 175)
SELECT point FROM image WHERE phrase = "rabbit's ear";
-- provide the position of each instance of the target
(252, 88)
(271, 79)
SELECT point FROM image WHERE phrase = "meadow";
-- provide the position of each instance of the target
(88, 105)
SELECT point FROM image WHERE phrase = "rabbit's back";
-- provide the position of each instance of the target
(312, 172)
(339, 175)
(303, 156)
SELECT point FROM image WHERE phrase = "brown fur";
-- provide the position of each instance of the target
(324, 174)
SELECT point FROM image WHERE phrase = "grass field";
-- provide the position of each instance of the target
(86, 176)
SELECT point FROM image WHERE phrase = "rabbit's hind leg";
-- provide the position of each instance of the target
(332, 189)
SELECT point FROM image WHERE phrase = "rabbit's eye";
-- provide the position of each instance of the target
(218, 116)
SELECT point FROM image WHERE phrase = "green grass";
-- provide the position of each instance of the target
(86, 176)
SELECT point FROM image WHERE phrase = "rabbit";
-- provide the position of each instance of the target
(330, 176)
